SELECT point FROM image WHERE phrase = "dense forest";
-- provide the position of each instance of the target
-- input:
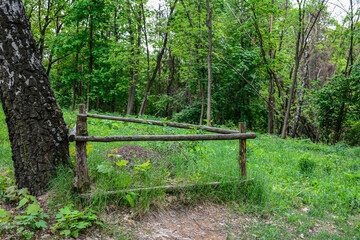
(289, 68)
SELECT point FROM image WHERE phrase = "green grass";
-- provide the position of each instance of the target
(290, 176)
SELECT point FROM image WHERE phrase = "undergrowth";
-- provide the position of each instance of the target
(289, 176)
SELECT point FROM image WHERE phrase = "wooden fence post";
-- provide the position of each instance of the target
(82, 180)
(242, 150)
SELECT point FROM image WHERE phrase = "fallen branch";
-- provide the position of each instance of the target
(167, 189)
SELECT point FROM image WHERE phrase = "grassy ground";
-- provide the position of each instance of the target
(303, 189)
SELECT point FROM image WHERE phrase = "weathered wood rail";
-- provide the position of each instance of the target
(80, 134)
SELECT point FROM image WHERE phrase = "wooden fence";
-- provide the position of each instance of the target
(80, 134)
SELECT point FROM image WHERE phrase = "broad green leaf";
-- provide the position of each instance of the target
(130, 200)
(121, 163)
(24, 192)
(41, 224)
(65, 232)
(83, 225)
(33, 208)
(22, 203)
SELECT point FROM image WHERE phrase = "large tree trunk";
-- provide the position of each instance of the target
(37, 131)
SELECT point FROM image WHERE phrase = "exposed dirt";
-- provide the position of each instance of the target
(204, 221)
(130, 153)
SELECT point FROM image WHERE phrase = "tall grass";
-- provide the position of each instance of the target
(289, 174)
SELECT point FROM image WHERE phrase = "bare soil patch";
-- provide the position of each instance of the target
(203, 221)
(131, 152)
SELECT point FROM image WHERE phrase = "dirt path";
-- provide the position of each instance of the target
(205, 221)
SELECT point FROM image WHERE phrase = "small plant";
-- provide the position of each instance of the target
(71, 221)
(130, 198)
(105, 168)
(13, 194)
(29, 222)
(110, 167)
(142, 170)
(5, 217)
(5, 181)
(143, 167)
(291, 217)
(306, 164)
(33, 218)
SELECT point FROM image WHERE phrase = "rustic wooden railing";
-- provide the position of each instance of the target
(80, 134)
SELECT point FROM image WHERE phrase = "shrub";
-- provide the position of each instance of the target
(306, 164)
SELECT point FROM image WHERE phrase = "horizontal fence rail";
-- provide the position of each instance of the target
(199, 137)
(80, 134)
(160, 123)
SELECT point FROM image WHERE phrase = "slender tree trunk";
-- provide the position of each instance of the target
(158, 62)
(289, 102)
(295, 73)
(304, 79)
(202, 94)
(350, 59)
(188, 89)
(137, 63)
(132, 83)
(339, 123)
(270, 106)
(82, 74)
(170, 82)
(301, 44)
(271, 103)
(37, 130)
(147, 44)
(202, 104)
(57, 31)
(75, 83)
(209, 24)
(90, 65)
(242, 21)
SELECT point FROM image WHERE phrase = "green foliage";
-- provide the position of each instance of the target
(70, 221)
(14, 194)
(289, 175)
(33, 220)
(352, 135)
(338, 104)
(5, 152)
(5, 216)
(130, 198)
(306, 164)
(143, 167)
(5, 181)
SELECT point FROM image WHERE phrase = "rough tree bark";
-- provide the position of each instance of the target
(37, 131)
